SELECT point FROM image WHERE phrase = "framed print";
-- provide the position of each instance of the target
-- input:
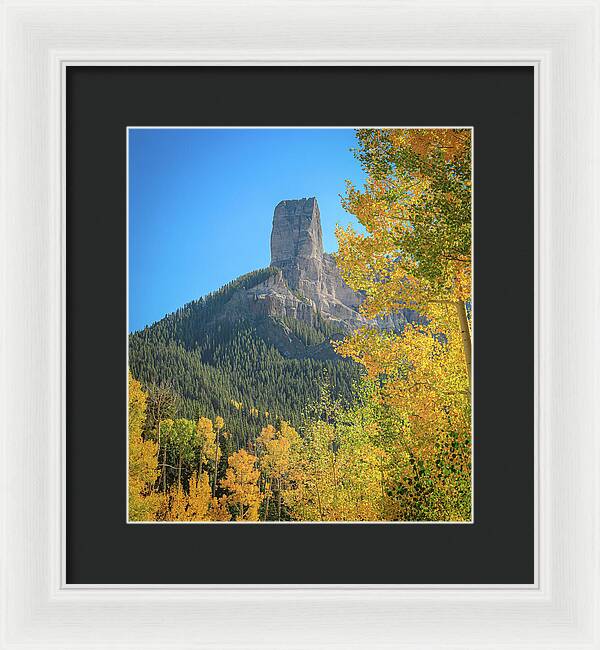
(298, 346)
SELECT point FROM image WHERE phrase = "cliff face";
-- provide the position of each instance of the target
(296, 233)
(306, 283)
(297, 250)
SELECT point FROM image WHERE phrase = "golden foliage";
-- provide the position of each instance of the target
(193, 505)
(416, 209)
(416, 253)
(178, 504)
(205, 442)
(241, 483)
(277, 447)
(143, 459)
(218, 510)
(199, 499)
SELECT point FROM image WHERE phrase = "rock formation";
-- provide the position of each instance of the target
(296, 233)
(306, 283)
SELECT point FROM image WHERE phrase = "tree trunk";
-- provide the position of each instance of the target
(268, 492)
(333, 472)
(279, 499)
(214, 490)
(199, 465)
(465, 332)
(158, 457)
(164, 469)
(179, 472)
(319, 501)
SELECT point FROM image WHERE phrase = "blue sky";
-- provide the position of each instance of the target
(201, 204)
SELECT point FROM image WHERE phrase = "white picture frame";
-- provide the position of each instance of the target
(560, 40)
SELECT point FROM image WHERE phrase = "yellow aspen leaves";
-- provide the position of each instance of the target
(143, 459)
(241, 484)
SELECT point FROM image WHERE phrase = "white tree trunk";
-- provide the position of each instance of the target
(465, 332)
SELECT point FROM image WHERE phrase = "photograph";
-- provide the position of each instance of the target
(300, 325)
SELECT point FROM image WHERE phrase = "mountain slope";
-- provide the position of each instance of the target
(216, 362)
(259, 348)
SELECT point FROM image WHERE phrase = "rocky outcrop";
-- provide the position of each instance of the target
(306, 283)
(296, 233)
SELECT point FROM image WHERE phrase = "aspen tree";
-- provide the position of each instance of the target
(241, 484)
